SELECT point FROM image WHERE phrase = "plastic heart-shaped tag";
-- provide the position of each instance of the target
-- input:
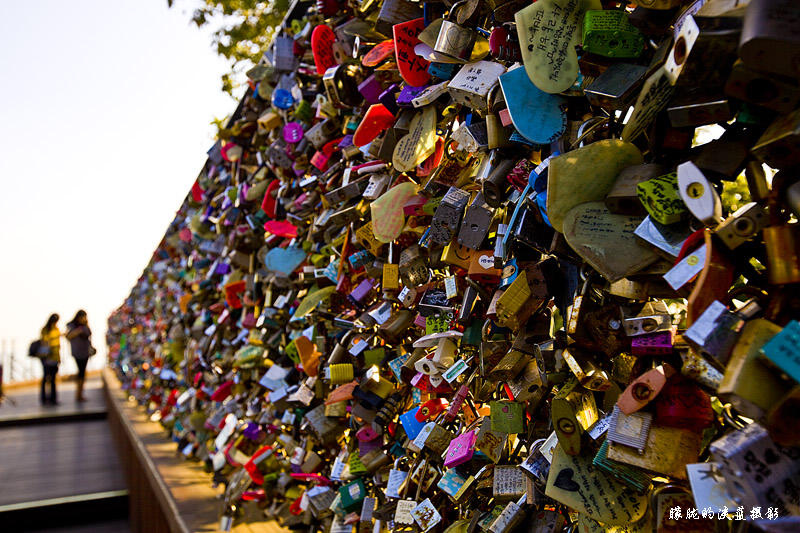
(281, 228)
(376, 120)
(322, 40)
(606, 240)
(419, 143)
(413, 69)
(586, 175)
(378, 53)
(284, 260)
(387, 211)
(538, 116)
(549, 31)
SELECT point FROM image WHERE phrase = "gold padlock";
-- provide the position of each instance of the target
(750, 386)
(573, 411)
(667, 451)
(783, 253)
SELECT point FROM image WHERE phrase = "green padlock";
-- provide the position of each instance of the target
(662, 200)
(609, 33)
(353, 494)
(507, 416)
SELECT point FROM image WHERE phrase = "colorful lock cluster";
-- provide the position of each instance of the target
(491, 266)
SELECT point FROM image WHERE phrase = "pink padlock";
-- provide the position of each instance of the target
(366, 434)
(460, 449)
(320, 161)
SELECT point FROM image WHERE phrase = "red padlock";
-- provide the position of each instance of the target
(683, 404)
(430, 409)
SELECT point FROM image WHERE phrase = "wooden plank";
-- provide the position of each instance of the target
(57, 460)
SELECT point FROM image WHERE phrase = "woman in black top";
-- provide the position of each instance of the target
(79, 336)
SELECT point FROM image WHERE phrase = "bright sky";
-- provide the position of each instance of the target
(105, 111)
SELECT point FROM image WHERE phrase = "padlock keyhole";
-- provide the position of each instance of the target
(679, 55)
(641, 392)
(566, 426)
(695, 190)
(744, 226)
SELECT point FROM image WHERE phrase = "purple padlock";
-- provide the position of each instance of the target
(345, 141)
(408, 93)
(293, 132)
(252, 431)
(222, 268)
(658, 343)
(460, 449)
(298, 203)
(370, 89)
(389, 99)
(361, 290)
(364, 447)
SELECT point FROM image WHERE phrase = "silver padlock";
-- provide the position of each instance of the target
(509, 517)
(397, 479)
(454, 40)
(508, 482)
(756, 471)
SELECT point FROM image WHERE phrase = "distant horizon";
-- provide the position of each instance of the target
(106, 125)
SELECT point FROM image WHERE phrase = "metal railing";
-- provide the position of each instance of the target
(17, 366)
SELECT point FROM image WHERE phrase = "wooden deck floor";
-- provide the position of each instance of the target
(56, 461)
(21, 405)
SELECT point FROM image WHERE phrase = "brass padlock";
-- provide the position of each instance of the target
(573, 411)
(513, 307)
(469, 485)
(509, 366)
(530, 385)
(749, 385)
(667, 451)
(507, 417)
(779, 145)
(588, 373)
(488, 441)
(783, 253)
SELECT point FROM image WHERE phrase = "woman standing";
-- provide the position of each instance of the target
(80, 342)
(51, 337)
